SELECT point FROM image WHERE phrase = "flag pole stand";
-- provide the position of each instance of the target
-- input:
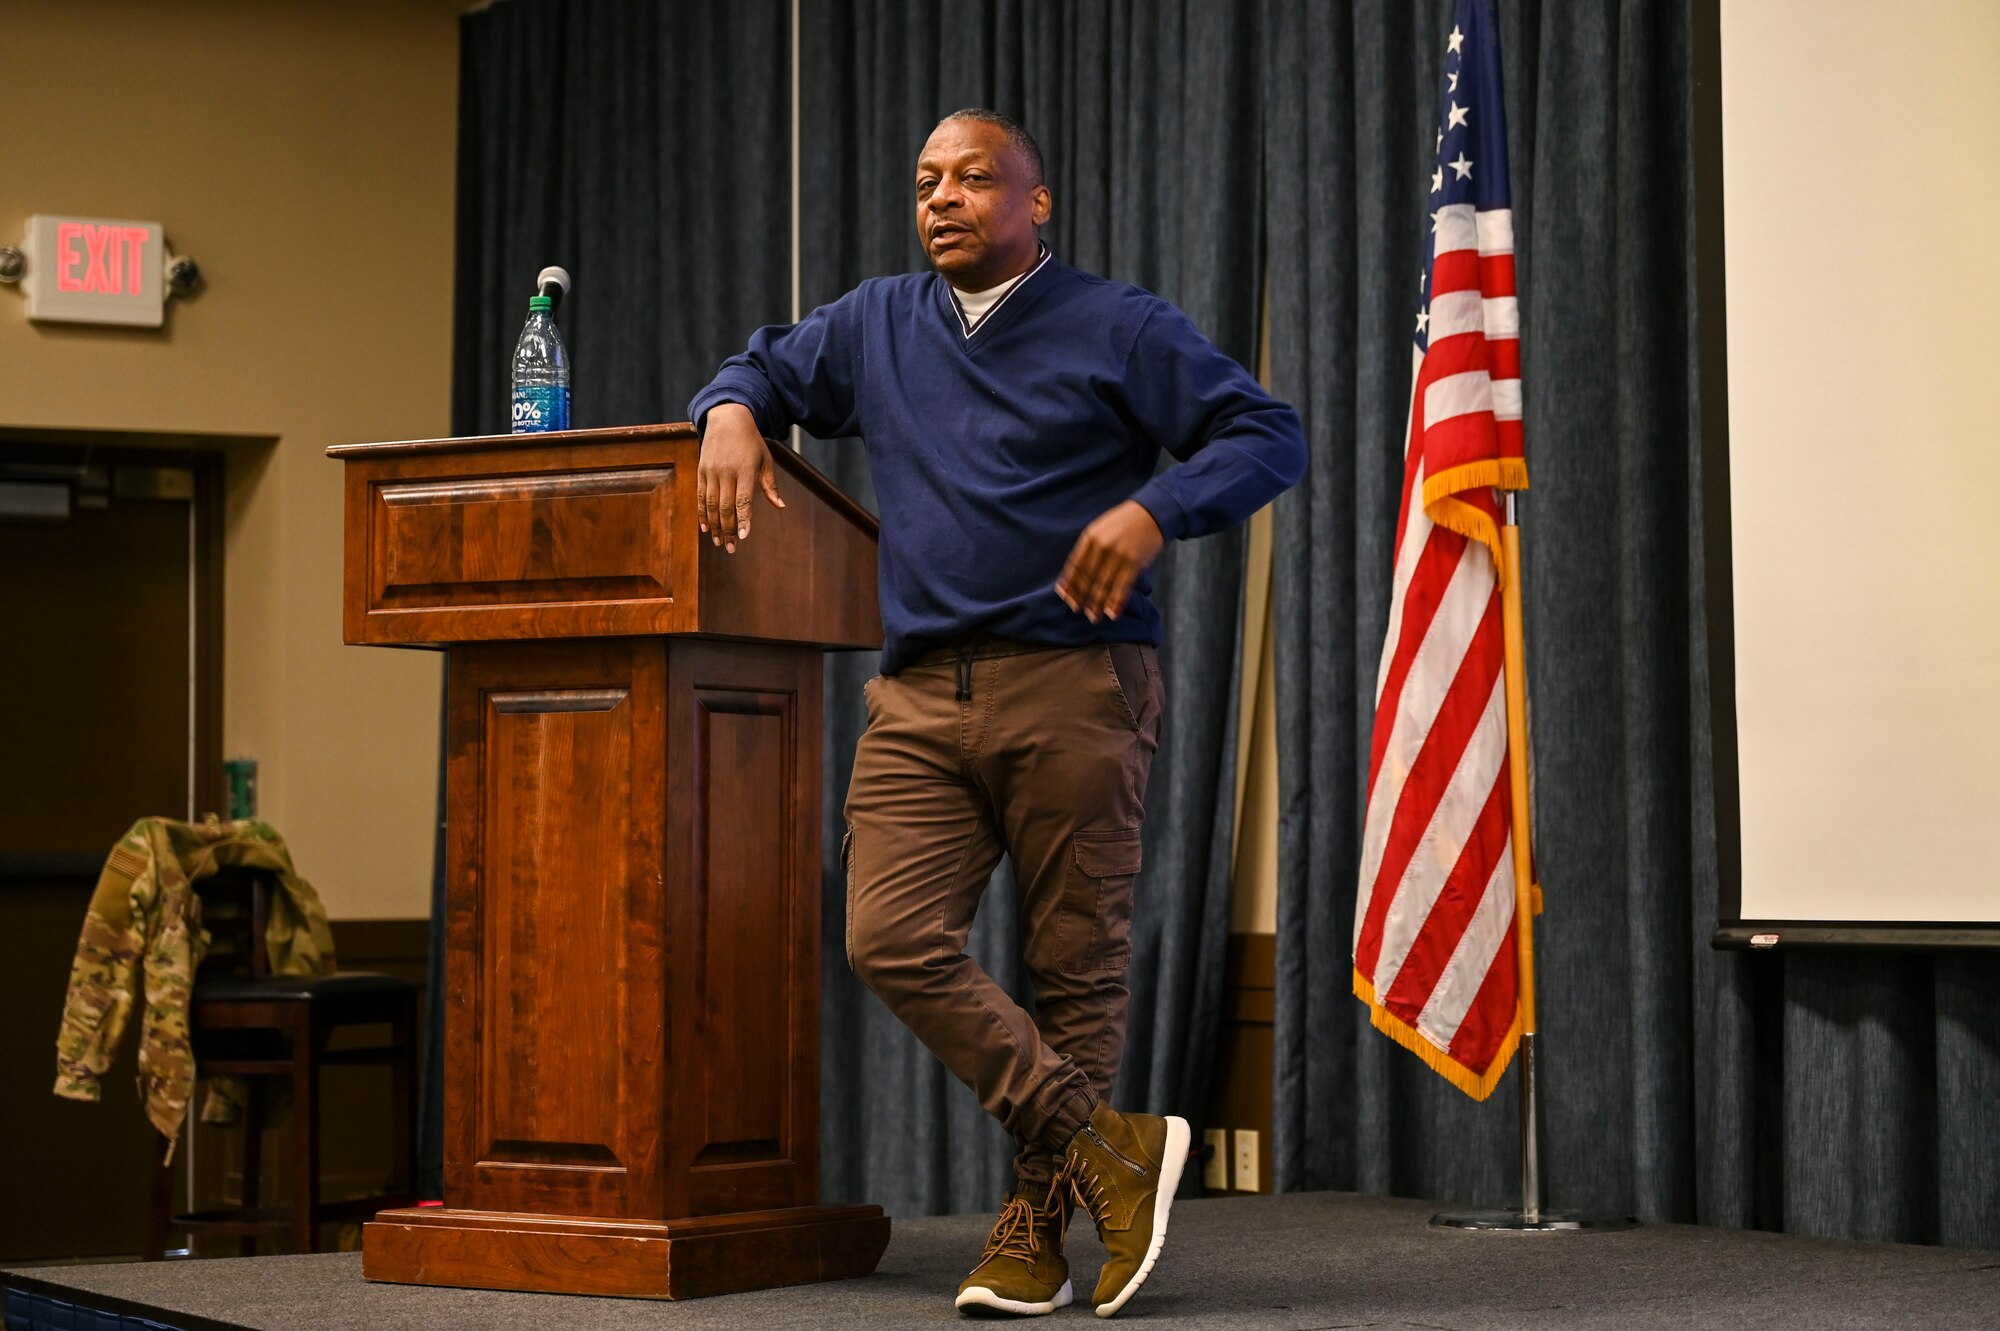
(1531, 1216)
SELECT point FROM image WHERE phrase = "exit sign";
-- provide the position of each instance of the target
(95, 270)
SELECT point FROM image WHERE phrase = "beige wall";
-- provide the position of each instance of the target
(1253, 905)
(303, 153)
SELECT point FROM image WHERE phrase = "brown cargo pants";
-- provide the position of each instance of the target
(1041, 753)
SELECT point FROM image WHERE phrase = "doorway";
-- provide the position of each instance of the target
(110, 692)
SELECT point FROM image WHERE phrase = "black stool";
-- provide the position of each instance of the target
(248, 1023)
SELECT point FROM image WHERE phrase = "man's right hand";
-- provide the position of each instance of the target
(735, 463)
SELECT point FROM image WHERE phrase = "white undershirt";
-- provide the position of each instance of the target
(974, 306)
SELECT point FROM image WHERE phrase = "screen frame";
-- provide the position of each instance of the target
(1733, 930)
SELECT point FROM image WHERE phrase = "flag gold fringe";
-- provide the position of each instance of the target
(1475, 1084)
(1441, 500)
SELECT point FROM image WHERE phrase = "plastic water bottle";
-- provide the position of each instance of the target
(541, 372)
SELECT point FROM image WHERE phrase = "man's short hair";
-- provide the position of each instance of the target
(1017, 135)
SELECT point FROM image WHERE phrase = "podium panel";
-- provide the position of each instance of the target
(537, 539)
(556, 898)
(743, 817)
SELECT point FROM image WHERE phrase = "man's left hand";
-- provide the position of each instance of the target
(1109, 557)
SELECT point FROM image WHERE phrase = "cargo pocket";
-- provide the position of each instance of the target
(1096, 932)
(847, 867)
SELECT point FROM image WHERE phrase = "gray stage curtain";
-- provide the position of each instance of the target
(1146, 116)
(1826, 1095)
(616, 140)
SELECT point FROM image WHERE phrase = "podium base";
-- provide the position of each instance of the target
(642, 1259)
(1546, 1222)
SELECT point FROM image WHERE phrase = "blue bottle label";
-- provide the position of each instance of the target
(540, 407)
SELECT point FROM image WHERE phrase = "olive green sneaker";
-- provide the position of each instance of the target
(1023, 1272)
(1123, 1169)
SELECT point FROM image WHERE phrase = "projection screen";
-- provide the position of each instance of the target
(1859, 485)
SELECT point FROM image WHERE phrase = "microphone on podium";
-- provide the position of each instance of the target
(552, 282)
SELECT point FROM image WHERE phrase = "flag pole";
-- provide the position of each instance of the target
(1524, 885)
(1533, 1215)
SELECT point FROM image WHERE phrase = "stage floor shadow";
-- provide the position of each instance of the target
(1302, 1262)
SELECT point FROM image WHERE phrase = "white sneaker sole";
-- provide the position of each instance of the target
(980, 1297)
(1175, 1156)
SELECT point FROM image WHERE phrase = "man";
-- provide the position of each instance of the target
(1013, 409)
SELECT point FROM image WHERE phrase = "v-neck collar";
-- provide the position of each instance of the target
(955, 313)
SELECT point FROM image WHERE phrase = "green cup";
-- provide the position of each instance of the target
(242, 774)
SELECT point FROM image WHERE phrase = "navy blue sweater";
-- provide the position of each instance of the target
(992, 453)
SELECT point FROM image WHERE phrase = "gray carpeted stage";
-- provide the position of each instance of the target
(1316, 1260)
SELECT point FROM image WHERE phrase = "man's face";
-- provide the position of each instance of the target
(977, 209)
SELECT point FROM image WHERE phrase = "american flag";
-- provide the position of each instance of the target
(1434, 950)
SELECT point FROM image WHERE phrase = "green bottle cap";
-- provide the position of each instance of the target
(541, 303)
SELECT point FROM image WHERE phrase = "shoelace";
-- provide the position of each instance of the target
(1081, 1182)
(1014, 1233)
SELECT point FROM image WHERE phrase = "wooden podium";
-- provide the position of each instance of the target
(631, 1100)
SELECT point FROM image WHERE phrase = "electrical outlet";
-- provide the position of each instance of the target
(1246, 1160)
(1215, 1169)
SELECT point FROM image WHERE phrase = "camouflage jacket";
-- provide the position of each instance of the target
(143, 935)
